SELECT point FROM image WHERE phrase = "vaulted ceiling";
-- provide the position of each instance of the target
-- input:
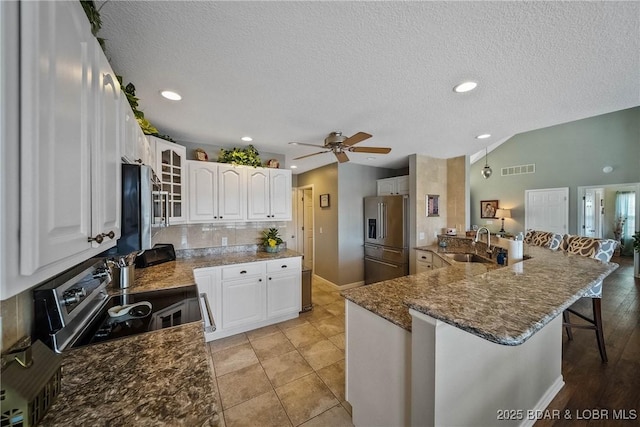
(295, 71)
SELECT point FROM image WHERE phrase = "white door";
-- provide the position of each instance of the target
(308, 224)
(547, 210)
(593, 211)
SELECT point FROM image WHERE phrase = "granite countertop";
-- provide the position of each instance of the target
(180, 272)
(504, 305)
(159, 378)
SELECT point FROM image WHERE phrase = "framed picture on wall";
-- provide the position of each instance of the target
(488, 208)
(324, 200)
(432, 205)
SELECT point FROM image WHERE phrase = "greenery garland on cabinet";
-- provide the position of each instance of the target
(93, 15)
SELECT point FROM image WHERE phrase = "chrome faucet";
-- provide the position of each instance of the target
(488, 237)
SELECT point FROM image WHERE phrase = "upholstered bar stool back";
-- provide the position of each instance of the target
(602, 250)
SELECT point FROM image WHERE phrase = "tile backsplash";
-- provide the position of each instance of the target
(196, 236)
(16, 314)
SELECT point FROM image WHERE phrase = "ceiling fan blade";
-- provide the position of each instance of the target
(308, 145)
(374, 150)
(309, 155)
(342, 156)
(354, 139)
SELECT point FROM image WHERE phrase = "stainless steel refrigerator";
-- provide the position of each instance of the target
(386, 238)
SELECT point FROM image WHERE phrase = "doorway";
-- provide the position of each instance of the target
(618, 214)
(303, 222)
(593, 213)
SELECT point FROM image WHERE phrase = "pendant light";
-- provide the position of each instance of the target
(486, 171)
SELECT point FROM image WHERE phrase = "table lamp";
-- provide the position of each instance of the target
(502, 214)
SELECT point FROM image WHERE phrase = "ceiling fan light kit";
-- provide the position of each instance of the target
(339, 144)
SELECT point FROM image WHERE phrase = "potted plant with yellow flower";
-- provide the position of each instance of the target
(271, 239)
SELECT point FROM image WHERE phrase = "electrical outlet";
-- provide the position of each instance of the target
(224, 241)
(421, 235)
(320, 230)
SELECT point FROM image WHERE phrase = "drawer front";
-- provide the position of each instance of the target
(284, 265)
(242, 270)
(425, 256)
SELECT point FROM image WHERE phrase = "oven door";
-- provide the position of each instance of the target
(169, 308)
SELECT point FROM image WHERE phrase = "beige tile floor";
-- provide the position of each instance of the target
(289, 374)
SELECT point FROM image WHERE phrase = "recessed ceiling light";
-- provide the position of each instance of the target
(247, 139)
(465, 87)
(294, 167)
(484, 136)
(174, 96)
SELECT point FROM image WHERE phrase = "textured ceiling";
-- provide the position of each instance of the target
(295, 71)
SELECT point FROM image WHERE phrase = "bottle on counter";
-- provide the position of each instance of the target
(501, 257)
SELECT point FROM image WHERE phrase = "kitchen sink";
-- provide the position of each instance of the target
(467, 257)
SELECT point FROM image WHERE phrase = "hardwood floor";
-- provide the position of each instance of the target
(596, 393)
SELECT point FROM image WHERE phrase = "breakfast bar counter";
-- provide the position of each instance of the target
(464, 341)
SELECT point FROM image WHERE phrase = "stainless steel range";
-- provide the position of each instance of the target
(75, 309)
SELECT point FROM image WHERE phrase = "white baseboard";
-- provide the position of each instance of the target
(338, 287)
(544, 401)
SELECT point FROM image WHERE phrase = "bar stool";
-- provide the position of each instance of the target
(602, 250)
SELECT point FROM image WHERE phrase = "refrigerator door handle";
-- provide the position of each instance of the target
(383, 220)
(390, 250)
(383, 263)
(379, 220)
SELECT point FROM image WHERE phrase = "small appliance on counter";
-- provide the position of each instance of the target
(161, 252)
(451, 232)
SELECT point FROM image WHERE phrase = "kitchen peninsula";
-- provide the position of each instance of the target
(460, 344)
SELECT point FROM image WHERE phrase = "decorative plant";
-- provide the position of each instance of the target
(240, 156)
(93, 15)
(271, 237)
(636, 241)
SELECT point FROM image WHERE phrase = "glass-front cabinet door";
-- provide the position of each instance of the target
(170, 159)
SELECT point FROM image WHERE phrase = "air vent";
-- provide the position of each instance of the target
(518, 170)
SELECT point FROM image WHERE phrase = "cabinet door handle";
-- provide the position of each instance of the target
(283, 266)
(423, 257)
(110, 234)
(259, 280)
(243, 272)
(269, 278)
(98, 239)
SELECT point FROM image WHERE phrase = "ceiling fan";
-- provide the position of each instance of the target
(340, 144)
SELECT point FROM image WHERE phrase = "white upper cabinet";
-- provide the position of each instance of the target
(69, 181)
(392, 186)
(107, 170)
(170, 168)
(269, 194)
(129, 149)
(216, 192)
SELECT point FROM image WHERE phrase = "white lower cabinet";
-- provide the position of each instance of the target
(284, 287)
(243, 297)
(243, 302)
